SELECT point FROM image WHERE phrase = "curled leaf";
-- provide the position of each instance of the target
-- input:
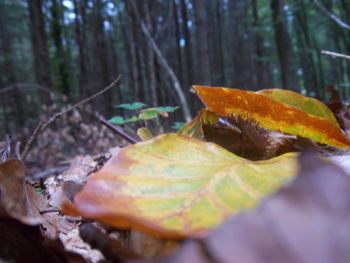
(273, 114)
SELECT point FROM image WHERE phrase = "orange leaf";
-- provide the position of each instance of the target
(273, 114)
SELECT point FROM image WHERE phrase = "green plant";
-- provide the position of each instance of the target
(142, 114)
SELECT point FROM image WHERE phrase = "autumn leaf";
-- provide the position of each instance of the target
(307, 221)
(195, 127)
(309, 105)
(242, 137)
(176, 186)
(306, 119)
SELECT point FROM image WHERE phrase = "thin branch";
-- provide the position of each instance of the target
(335, 54)
(50, 171)
(43, 125)
(117, 130)
(336, 19)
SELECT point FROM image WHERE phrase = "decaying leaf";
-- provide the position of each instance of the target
(307, 119)
(308, 221)
(242, 137)
(176, 186)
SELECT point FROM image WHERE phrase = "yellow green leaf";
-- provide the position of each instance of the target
(177, 186)
(273, 114)
(195, 127)
(144, 133)
(306, 104)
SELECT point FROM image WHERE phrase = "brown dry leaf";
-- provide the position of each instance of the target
(308, 221)
(240, 136)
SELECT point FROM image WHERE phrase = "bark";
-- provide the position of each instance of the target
(203, 73)
(284, 46)
(39, 47)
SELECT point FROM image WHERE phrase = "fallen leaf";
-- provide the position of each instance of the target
(242, 137)
(144, 133)
(273, 114)
(308, 221)
(23, 243)
(195, 127)
(309, 105)
(176, 186)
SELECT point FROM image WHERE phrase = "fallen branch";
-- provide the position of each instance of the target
(335, 54)
(43, 125)
(332, 16)
(117, 130)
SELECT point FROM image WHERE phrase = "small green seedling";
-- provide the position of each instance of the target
(145, 114)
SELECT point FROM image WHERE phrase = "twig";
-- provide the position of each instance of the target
(332, 16)
(7, 149)
(117, 130)
(48, 172)
(49, 211)
(334, 54)
(43, 125)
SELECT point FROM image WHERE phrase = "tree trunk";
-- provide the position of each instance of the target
(177, 45)
(150, 56)
(284, 46)
(262, 68)
(62, 67)
(39, 47)
(203, 73)
(101, 54)
(133, 50)
(80, 10)
(242, 48)
(188, 44)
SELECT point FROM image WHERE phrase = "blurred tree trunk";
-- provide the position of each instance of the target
(60, 61)
(284, 46)
(262, 68)
(215, 42)
(242, 45)
(101, 56)
(164, 63)
(135, 74)
(9, 76)
(188, 44)
(306, 50)
(80, 29)
(39, 47)
(203, 74)
(177, 40)
(220, 46)
(150, 54)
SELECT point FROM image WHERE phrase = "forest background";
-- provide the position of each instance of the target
(60, 51)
